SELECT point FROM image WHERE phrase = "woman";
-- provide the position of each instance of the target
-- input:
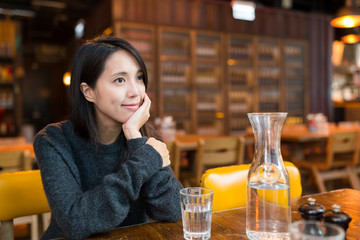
(105, 167)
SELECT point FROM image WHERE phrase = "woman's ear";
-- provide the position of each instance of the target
(87, 91)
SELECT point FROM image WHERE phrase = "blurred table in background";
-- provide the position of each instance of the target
(15, 144)
(299, 138)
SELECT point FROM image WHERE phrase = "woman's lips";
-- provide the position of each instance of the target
(131, 106)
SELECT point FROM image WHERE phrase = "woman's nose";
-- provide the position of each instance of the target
(133, 89)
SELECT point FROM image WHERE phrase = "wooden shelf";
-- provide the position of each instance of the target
(197, 74)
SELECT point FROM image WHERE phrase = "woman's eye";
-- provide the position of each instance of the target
(119, 80)
(140, 77)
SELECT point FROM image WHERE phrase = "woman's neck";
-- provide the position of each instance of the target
(108, 135)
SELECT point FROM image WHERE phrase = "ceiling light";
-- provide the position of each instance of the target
(79, 28)
(347, 17)
(67, 78)
(243, 10)
(350, 38)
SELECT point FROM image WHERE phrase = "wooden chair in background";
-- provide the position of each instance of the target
(18, 160)
(21, 194)
(174, 157)
(349, 124)
(342, 155)
(216, 152)
(230, 185)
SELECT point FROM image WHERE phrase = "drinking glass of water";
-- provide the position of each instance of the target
(315, 230)
(196, 208)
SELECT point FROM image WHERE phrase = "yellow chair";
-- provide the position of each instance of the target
(21, 194)
(230, 185)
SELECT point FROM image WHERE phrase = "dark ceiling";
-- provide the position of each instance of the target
(53, 20)
(55, 23)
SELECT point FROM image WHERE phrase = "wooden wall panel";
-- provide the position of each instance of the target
(182, 13)
(118, 9)
(320, 37)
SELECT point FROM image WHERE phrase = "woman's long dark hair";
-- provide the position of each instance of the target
(88, 64)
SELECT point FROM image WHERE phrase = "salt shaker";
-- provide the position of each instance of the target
(337, 217)
(311, 210)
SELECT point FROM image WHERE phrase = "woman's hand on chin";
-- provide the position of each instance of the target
(132, 126)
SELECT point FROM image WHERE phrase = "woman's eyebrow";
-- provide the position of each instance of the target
(119, 73)
(125, 73)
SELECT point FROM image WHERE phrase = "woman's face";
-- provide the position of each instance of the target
(119, 90)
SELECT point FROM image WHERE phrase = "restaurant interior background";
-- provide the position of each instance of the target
(195, 52)
(207, 69)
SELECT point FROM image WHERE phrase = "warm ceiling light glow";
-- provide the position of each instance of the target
(346, 21)
(67, 79)
(351, 38)
(347, 17)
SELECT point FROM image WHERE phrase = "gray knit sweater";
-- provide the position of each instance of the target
(93, 189)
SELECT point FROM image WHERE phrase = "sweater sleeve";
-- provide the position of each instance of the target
(162, 196)
(80, 214)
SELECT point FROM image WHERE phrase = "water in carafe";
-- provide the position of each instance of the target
(268, 211)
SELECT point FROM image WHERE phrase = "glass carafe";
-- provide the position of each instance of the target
(268, 211)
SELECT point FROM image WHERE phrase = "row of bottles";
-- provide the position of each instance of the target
(294, 78)
(240, 49)
(6, 98)
(175, 44)
(9, 103)
(209, 88)
(140, 38)
(206, 51)
(7, 38)
(174, 73)
(6, 73)
(241, 78)
(7, 122)
(239, 124)
(268, 51)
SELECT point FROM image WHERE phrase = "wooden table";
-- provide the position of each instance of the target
(231, 224)
(299, 139)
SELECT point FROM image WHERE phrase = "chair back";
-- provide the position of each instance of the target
(349, 124)
(174, 158)
(230, 185)
(343, 148)
(21, 194)
(219, 151)
(16, 160)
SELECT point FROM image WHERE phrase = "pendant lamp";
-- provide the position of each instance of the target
(350, 38)
(347, 17)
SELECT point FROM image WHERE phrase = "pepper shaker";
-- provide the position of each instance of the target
(337, 217)
(311, 210)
